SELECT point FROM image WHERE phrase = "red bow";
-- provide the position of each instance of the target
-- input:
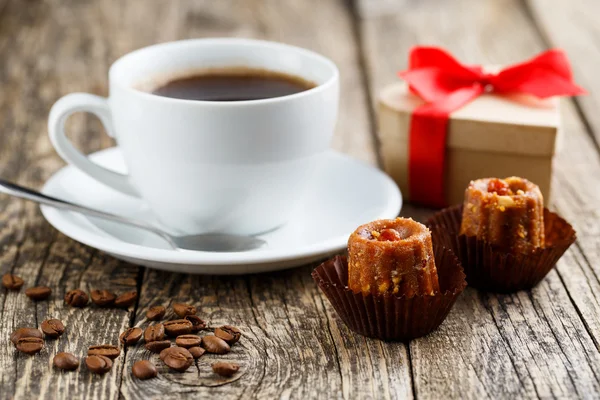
(447, 85)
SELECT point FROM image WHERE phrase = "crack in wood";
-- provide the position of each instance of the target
(412, 372)
(258, 324)
(320, 296)
(139, 280)
(579, 313)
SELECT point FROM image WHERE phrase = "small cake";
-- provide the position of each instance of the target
(392, 256)
(507, 213)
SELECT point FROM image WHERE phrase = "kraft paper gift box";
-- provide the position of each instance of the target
(492, 136)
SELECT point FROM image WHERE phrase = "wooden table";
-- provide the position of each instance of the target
(540, 343)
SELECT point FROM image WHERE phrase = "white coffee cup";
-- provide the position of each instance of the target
(206, 166)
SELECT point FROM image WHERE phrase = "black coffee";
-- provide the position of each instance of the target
(234, 85)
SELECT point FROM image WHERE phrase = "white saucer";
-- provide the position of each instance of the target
(346, 193)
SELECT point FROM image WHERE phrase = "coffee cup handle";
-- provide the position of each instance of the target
(83, 102)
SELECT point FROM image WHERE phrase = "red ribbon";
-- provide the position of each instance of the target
(446, 85)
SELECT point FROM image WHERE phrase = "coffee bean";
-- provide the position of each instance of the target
(131, 336)
(98, 364)
(12, 282)
(38, 293)
(215, 345)
(76, 298)
(182, 309)
(53, 328)
(188, 341)
(23, 333)
(196, 351)
(144, 369)
(228, 333)
(197, 323)
(30, 345)
(126, 299)
(178, 327)
(66, 361)
(156, 313)
(178, 358)
(103, 298)
(106, 350)
(154, 332)
(157, 346)
(163, 352)
(226, 369)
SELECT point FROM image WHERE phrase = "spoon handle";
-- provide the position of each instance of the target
(29, 194)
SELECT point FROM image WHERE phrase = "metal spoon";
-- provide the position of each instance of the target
(217, 242)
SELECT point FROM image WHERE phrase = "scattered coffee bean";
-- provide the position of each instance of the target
(226, 369)
(188, 341)
(154, 332)
(98, 364)
(144, 369)
(178, 327)
(106, 350)
(126, 299)
(182, 309)
(178, 358)
(38, 293)
(158, 346)
(228, 333)
(66, 361)
(131, 336)
(216, 345)
(103, 298)
(76, 298)
(156, 313)
(53, 328)
(196, 351)
(23, 333)
(197, 323)
(30, 345)
(12, 282)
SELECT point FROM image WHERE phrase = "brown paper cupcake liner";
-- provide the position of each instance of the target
(391, 317)
(491, 269)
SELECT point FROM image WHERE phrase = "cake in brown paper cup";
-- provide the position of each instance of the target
(492, 269)
(388, 316)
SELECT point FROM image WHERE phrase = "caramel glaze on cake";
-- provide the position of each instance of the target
(507, 213)
(392, 256)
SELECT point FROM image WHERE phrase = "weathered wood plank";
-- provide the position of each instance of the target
(573, 26)
(282, 347)
(69, 266)
(578, 165)
(37, 49)
(576, 197)
(219, 301)
(530, 344)
(295, 345)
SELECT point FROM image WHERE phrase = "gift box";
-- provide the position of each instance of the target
(448, 124)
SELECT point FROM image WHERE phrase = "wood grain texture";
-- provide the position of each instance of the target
(219, 302)
(578, 171)
(533, 344)
(573, 26)
(38, 48)
(530, 344)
